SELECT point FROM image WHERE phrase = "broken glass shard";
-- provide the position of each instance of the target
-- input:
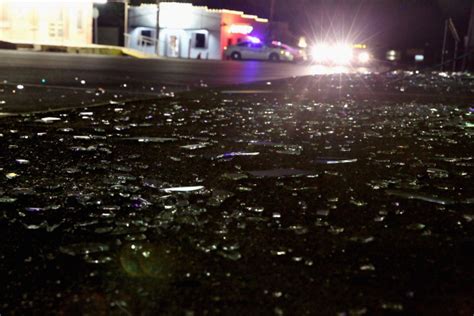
(279, 173)
(183, 189)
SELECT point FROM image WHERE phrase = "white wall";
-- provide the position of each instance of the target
(182, 20)
(187, 47)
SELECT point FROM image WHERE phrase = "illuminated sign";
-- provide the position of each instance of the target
(241, 29)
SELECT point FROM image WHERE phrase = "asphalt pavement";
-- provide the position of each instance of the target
(58, 80)
(300, 197)
(112, 71)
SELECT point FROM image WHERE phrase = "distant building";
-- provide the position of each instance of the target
(142, 26)
(187, 31)
(52, 22)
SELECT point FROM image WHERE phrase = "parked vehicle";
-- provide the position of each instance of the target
(298, 53)
(256, 50)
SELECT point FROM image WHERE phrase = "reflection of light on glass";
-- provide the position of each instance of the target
(144, 260)
(328, 70)
(332, 70)
(250, 71)
(364, 70)
(340, 69)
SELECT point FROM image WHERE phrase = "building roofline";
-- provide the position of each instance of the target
(207, 9)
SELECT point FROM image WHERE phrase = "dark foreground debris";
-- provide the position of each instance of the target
(298, 202)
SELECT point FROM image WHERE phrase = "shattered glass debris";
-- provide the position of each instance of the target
(202, 203)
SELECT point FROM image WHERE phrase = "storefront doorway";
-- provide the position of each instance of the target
(173, 46)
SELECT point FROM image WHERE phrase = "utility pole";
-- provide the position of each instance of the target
(445, 37)
(468, 61)
(272, 16)
(125, 18)
(449, 26)
(456, 38)
(272, 9)
(157, 47)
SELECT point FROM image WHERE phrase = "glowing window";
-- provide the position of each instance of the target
(4, 16)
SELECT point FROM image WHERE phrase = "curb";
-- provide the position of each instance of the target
(90, 49)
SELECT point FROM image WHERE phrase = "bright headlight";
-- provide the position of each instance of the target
(342, 54)
(321, 52)
(364, 57)
(338, 54)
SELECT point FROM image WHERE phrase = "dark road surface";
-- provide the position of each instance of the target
(49, 81)
(62, 69)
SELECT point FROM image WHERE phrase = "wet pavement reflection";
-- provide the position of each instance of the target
(328, 195)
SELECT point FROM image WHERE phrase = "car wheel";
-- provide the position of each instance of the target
(274, 57)
(236, 56)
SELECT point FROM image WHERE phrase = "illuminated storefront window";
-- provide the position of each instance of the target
(51, 22)
(4, 17)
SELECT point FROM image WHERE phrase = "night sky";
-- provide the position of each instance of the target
(383, 23)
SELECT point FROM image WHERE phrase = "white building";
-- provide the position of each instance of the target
(142, 26)
(51, 22)
(187, 31)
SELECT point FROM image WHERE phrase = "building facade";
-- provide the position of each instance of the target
(142, 26)
(181, 30)
(50, 22)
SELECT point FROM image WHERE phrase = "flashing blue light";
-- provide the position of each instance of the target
(254, 40)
